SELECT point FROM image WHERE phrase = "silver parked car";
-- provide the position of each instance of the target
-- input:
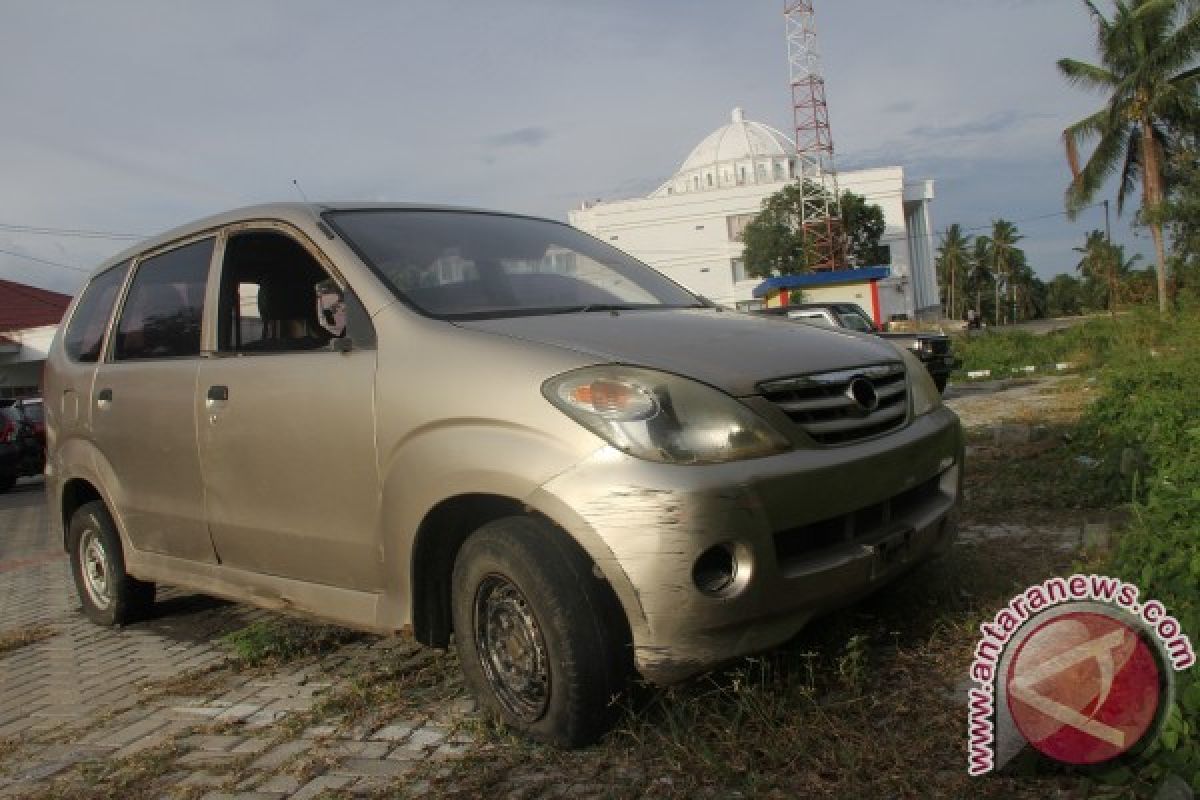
(451, 421)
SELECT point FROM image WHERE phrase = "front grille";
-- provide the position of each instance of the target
(794, 545)
(824, 405)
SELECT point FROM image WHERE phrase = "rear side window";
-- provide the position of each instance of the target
(164, 308)
(85, 333)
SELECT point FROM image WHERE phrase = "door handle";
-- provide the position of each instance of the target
(220, 393)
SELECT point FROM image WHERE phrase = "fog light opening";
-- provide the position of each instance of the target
(715, 570)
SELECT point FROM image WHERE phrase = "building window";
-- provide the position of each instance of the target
(708, 178)
(741, 175)
(696, 181)
(736, 223)
(738, 268)
(779, 171)
(760, 172)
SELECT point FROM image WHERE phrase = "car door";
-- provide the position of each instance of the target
(142, 405)
(286, 418)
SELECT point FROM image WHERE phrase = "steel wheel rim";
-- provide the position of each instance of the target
(511, 649)
(93, 563)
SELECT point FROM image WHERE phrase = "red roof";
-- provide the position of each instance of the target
(24, 306)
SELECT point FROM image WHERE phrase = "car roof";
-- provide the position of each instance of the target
(294, 212)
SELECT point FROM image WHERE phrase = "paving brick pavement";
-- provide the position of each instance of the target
(164, 696)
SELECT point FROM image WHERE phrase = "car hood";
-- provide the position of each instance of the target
(726, 349)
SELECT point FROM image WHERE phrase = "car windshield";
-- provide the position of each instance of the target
(854, 318)
(471, 265)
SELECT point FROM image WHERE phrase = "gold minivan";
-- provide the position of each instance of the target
(448, 421)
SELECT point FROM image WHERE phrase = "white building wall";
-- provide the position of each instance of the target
(23, 369)
(686, 235)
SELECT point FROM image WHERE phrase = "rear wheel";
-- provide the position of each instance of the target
(109, 595)
(540, 637)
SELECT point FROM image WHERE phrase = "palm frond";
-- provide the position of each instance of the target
(1131, 168)
(1177, 49)
(1086, 76)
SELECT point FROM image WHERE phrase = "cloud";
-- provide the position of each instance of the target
(900, 107)
(533, 136)
(990, 124)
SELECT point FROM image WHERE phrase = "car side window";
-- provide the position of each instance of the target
(164, 308)
(276, 297)
(85, 332)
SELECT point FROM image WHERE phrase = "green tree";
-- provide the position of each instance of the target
(1181, 213)
(953, 264)
(1005, 256)
(863, 225)
(775, 243)
(980, 275)
(1104, 268)
(1064, 296)
(1148, 50)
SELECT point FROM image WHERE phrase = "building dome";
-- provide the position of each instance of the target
(740, 139)
(740, 153)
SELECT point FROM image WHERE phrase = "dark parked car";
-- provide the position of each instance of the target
(932, 348)
(20, 452)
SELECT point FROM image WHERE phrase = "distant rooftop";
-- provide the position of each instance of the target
(24, 306)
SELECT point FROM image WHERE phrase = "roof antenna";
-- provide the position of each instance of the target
(303, 196)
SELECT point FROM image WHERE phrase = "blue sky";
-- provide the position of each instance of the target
(132, 117)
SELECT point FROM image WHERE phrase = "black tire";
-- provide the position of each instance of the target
(565, 658)
(7, 482)
(109, 595)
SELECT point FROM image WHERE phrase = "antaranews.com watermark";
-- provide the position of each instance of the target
(1079, 667)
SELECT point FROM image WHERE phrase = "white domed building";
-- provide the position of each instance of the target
(689, 227)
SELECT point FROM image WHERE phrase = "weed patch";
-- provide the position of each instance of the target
(279, 641)
(23, 637)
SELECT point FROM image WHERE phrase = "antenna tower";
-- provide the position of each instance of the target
(821, 203)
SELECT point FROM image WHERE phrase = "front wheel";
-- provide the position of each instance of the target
(109, 595)
(540, 637)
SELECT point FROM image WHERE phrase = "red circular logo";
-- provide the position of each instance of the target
(1083, 688)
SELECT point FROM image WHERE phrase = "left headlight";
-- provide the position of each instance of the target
(925, 394)
(662, 417)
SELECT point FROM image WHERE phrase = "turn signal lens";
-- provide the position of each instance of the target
(610, 399)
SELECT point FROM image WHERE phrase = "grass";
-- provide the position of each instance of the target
(24, 636)
(275, 642)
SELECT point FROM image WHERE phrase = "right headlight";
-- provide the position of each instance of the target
(658, 416)
(925, 394)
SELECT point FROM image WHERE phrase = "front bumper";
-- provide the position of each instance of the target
(811, 530)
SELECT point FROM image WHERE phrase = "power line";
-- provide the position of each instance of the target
(1034, 219)
(44, 261)
(69, 232)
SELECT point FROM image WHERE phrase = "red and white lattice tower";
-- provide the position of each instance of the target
(821, 213)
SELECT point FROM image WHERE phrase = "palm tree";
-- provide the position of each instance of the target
(1104, 263)
(1004, 240)
(1148, 51)
(952, 260)
(980, 272)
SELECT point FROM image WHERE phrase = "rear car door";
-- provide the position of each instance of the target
(287, 417)
(142, 404)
